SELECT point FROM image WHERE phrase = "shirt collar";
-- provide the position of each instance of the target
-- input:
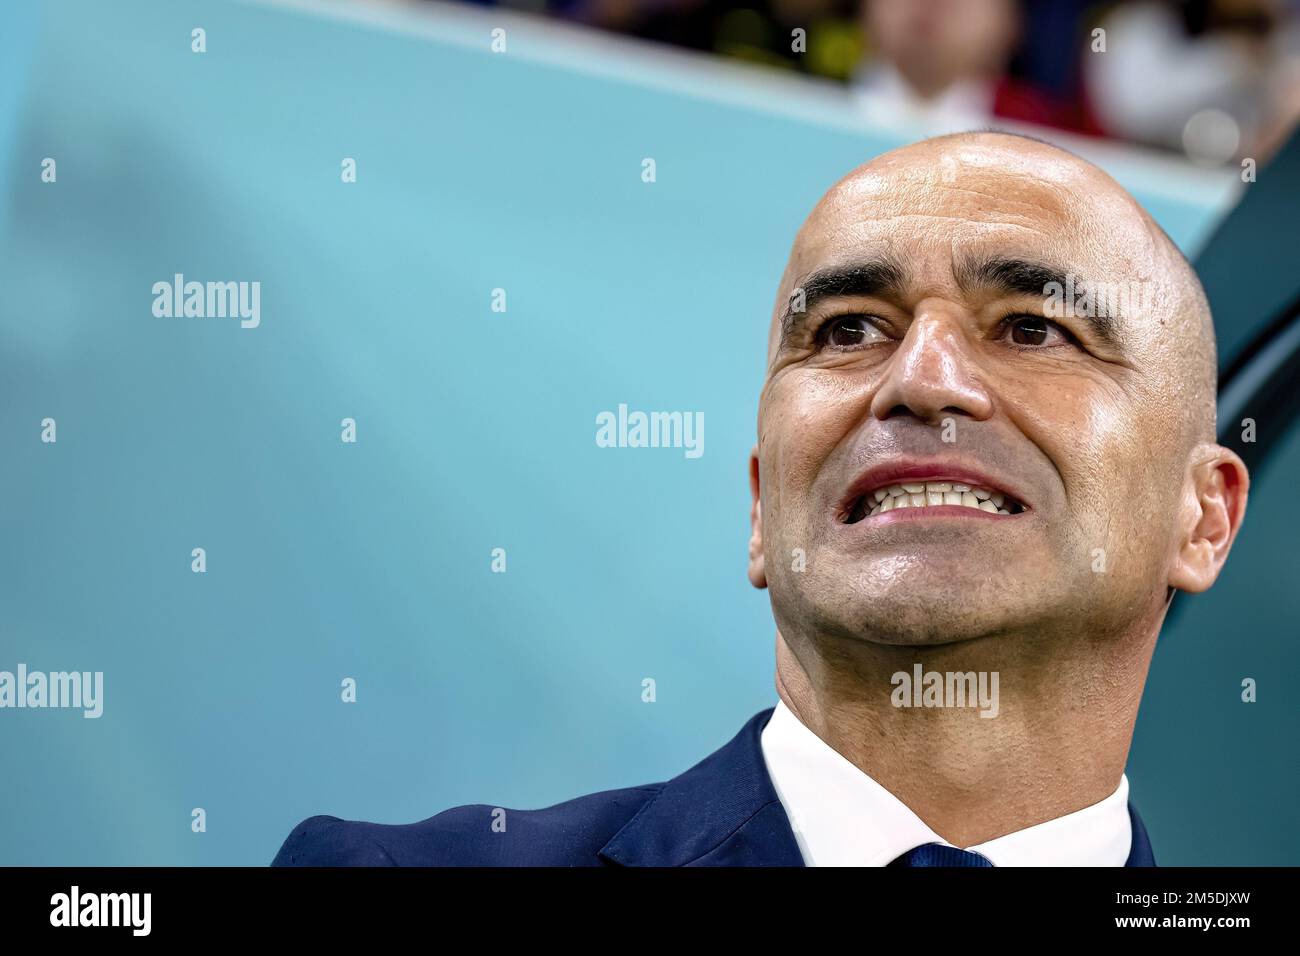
(842, 817)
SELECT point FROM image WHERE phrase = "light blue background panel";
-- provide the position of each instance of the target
(475, 431)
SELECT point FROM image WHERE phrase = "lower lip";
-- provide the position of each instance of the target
(933, 511)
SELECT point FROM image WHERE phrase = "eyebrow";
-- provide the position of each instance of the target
(884, 277)
(1025, 277)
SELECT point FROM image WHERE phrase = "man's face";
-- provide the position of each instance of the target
(923, 357)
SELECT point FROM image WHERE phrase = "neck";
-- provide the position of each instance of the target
(1065, 710)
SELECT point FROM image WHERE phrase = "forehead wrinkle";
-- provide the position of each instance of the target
(847, 208)
(1006, 176)
(990, 222)
(944, 202)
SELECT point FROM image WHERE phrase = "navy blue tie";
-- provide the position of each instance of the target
(937, 854)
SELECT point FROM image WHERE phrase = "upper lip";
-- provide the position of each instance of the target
(901, 470)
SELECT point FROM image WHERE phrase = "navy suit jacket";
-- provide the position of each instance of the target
(722, 812)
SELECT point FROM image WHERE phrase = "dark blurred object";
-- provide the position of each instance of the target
(1248, 270)
(827, 42)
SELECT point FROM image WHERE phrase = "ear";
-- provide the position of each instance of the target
(1215, 505)
(757, 574)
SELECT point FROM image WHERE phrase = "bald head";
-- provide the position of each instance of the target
(1049, 203)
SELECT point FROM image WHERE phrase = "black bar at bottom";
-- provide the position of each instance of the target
(941, 905)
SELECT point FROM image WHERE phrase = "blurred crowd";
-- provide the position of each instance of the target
(1218, 80)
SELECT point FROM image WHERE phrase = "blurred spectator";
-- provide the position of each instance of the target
(947, 64)
(1215, 78)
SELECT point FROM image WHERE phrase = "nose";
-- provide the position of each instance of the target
(933, 374)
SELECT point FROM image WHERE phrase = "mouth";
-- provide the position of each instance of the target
(922, 495)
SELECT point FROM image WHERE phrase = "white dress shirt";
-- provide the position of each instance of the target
(841, 817)
(888, 100)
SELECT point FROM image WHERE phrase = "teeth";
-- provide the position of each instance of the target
(922, 494)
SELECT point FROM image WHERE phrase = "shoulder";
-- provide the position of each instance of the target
(566, 834)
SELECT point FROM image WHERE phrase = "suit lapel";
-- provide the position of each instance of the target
(724, 811)
(721, 812)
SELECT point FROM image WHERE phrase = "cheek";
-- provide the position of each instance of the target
(1089, 431)
(805, 416)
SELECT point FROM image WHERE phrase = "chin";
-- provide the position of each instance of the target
(914, 619)
(918, 630)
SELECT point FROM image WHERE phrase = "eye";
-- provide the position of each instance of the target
(1032, 331)
(849, 332)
